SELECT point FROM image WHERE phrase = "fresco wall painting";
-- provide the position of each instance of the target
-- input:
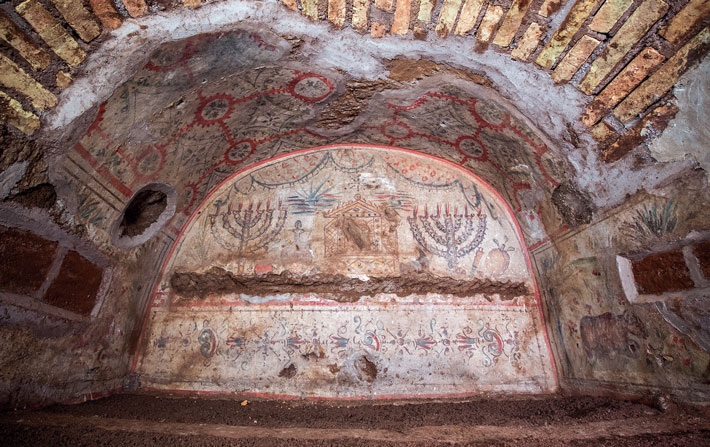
(217, 106)
(362, 212)
(603, 341)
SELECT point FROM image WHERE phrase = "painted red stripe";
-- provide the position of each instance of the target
(361, 305)
(101, 169)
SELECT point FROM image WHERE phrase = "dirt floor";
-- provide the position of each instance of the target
(147, 420)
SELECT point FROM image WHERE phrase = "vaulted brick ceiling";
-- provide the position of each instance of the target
(624, 54)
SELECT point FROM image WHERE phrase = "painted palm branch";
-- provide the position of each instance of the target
(656, 220)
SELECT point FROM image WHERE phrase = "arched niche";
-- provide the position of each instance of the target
(348, 271)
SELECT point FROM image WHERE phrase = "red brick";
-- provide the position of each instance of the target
(574, 59)
(528, 43)
(361, 9)
(653, 123)
(702, 253)
(106, 12)
(79, 18)
(400, 23)
(603, 133)
(76, 285)
(377, 29)
(662, 272)
(51, 31)
(310, 9)
(447, 17)
(663, 79)
(468, 16)
(425, 9)
(512, 21)
(564, 34)
(633, 29)
(136, 8)
(685, 20)
(489, 24)
(15, 37)
(12, 76)
(384, 4)
(291, 4)
(26, 260)
(631, 76)
(11, 111)
(610, 13)
(336, 12)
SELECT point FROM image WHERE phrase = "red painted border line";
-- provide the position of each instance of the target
(538, 243)
(364, 305)
(101, 169)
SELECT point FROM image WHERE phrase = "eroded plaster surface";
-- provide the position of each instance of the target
(364, 213)
(688, 135)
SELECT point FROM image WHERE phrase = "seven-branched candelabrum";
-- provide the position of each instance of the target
(450, 235)
(253, 226)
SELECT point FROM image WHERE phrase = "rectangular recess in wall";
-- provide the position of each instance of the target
(46, 270)
(667, 273)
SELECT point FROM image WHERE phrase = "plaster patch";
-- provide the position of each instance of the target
(688, 135)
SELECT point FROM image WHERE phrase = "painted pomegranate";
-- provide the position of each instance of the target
(498, 259)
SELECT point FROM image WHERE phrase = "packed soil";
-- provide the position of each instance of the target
(357, 414)
(219, 281)
(132, 420)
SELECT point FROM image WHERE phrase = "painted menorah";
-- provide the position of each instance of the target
(451, 235)
(253, 225)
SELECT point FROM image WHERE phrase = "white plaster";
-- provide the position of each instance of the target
(688, 134)
(371, 181)
(10, 176)
(626, 275)
(696, 274)
(265, 299)
(609, 185)
(530, 89)
(42, 308)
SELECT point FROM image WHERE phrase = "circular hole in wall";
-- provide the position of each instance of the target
(144, 215)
